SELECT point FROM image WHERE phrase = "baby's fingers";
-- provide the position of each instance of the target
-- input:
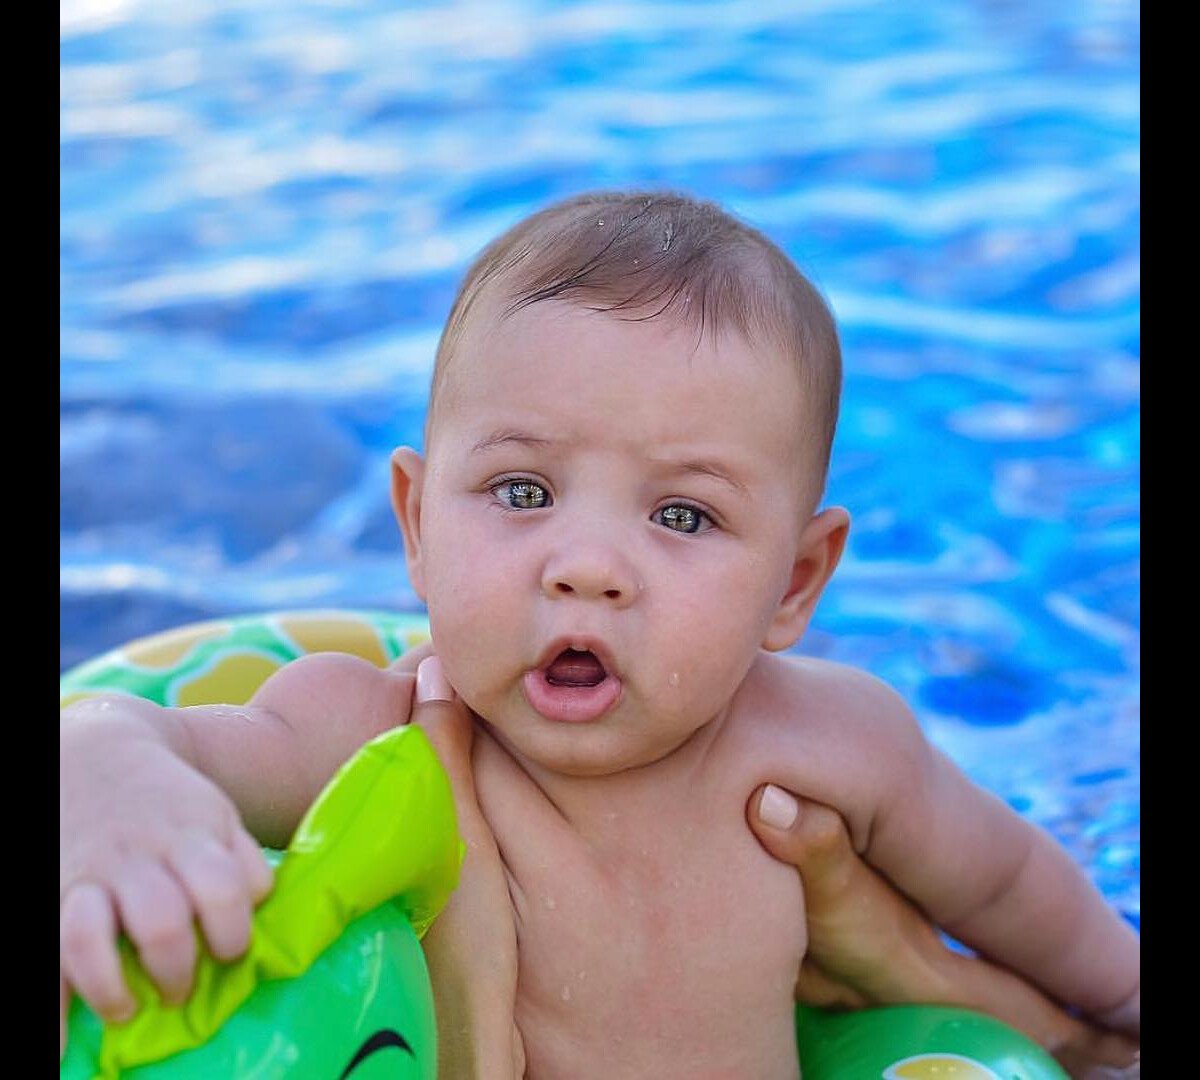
(157, 917)
(220, 894)
(255, 869)
(88, 951)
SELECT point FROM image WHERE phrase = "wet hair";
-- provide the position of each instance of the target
(648, 255)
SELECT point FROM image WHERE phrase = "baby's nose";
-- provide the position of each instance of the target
(590, 573)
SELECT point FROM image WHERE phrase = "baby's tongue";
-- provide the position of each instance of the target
(571, 668)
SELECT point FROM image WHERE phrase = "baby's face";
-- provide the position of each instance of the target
(609, 517)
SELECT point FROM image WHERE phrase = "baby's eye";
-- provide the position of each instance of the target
(682, 518)
(522, 494)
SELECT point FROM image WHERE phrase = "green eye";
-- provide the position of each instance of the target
(522, 494)
(686, 519)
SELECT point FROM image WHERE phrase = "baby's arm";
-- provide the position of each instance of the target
(978, 869)
(152, 805)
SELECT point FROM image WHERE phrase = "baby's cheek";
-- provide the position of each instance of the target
(702, 673)
(475, 584)
(475, 649)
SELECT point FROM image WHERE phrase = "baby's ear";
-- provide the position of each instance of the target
(817, 554)
(408, 472)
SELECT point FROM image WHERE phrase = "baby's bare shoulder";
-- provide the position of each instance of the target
(331, 703)
(809, 694)
(827, 731)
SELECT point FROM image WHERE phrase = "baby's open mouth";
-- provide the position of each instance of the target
(574, 668)
(575, 686)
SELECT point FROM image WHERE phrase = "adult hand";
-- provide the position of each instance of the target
(869, 945)
(471, 948)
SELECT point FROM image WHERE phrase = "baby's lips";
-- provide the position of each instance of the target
(566, 703)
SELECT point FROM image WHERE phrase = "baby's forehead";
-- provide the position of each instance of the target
(569, 345)
(500, 326)
(712, 373)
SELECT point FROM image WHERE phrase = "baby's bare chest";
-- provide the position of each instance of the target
(669, 949)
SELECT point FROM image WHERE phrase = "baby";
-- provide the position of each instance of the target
(616, 529)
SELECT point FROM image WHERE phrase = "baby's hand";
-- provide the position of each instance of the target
(148, 846)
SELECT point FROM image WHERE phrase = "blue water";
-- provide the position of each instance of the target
(266, 208)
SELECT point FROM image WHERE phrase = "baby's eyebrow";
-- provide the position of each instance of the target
(506, 436)
(706, 468)
(693, 466)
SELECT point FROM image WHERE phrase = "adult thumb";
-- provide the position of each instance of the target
(807, 835)
(441, 714)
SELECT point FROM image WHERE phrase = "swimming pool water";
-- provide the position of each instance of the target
(266, 207)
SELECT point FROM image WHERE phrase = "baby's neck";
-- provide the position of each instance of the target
(600, 808)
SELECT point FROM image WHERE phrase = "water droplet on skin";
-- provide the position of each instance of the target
(566, 993)
(674, 678)
(600, 222)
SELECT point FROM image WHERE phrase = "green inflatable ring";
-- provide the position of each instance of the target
(334, 984)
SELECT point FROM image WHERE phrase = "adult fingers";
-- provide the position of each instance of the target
(219, 892)
(158, 919)
(866, 942)
(858, 929)
(88, 951)
(814, 987)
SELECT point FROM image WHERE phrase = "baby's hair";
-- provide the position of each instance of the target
(646, 255)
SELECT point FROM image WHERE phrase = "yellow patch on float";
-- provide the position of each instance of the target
(938, 1067)
(232, 679)
(413, 638)
(333, 634)
(163, 651)
(77, 695)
